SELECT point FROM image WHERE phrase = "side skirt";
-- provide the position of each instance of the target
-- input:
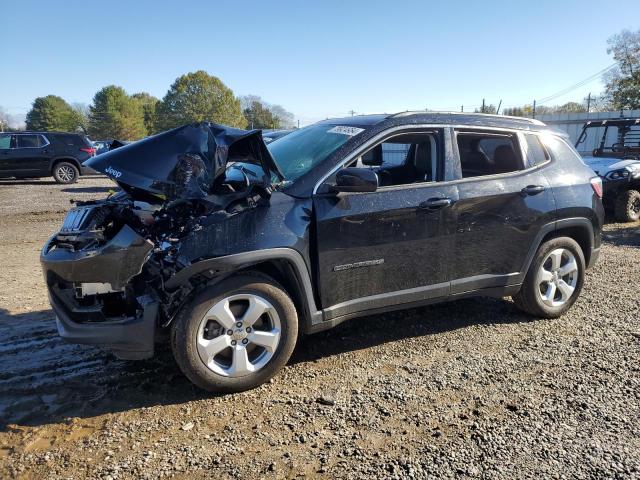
(496, 292)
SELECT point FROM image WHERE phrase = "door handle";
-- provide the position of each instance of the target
(435, 203)
(532, 190)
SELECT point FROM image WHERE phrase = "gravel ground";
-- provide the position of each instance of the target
(470, 389)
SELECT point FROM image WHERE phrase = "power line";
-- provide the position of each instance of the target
(581, 83)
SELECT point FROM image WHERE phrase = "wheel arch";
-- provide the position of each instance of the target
(580, 233)
(579, 229)
(285, 265)
(71, 160)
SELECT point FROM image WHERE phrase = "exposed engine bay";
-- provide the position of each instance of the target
(112, 258)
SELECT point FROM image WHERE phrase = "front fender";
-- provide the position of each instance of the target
(227, 264)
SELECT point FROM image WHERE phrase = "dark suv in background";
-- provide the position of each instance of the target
(233, 248)
(44, 154)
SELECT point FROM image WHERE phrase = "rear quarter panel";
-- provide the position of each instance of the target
(575, 198)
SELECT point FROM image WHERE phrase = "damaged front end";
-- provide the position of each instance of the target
(107, 268)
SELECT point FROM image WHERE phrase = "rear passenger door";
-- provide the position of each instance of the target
(504, 199)
(31, 155)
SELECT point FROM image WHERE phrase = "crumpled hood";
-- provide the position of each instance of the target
(186, 162)
(604, 165)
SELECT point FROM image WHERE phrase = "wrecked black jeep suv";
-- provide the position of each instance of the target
(231, 249)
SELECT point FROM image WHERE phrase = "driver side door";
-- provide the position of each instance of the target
(391, 246)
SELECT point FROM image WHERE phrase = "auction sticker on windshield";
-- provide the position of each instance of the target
(351, 131)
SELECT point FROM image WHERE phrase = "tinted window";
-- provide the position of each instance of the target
(5, 141)
(488, 153)
(404, 159)
(536, 153)
(28, 141)
(72, 140)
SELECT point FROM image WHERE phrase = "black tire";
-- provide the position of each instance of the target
(529, 300)
(627, 206)
(184, 332)
(65, 173)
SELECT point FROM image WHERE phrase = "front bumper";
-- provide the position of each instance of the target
(130, 338)
(129, 328)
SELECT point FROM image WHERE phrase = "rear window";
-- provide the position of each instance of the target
(72, 140)
(28, 141)
(488, 153)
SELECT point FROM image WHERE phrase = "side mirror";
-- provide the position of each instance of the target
(354, 179)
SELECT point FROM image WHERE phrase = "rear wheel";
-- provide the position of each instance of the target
(236, 335)
(65, 172)
(554, 279)
(627, 206)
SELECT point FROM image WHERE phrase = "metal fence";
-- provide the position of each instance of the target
(572, 123)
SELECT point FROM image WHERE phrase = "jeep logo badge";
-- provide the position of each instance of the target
(113, 172)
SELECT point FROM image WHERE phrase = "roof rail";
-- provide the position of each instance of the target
(532, 121)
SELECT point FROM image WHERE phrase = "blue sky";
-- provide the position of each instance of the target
(317, 59)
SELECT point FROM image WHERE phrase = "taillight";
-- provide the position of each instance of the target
(90, 151)
(596, 184)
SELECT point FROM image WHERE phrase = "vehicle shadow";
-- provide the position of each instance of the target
(45, 380)
(28, 182)
(416, 322)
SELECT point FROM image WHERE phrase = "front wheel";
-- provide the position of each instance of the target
(627, 206)
(554, 279)
(65, 172)
(235, 335)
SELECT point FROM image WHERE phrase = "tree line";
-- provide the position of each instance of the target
(193, 97)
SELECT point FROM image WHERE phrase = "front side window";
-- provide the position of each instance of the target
(484, 154)
(404, 159)
(5, 141)
(28, 141)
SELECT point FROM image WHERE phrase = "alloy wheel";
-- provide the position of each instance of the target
(66, 173)
(558, 277)
(238, 335)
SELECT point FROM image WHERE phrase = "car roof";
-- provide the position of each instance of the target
(448, 118)
(38, 132)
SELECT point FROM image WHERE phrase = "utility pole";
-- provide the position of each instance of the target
(461, 108)
(298, 123)
(534, 109)
(352, 112)
(589, 102)
(482, 111)
(498, 109)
